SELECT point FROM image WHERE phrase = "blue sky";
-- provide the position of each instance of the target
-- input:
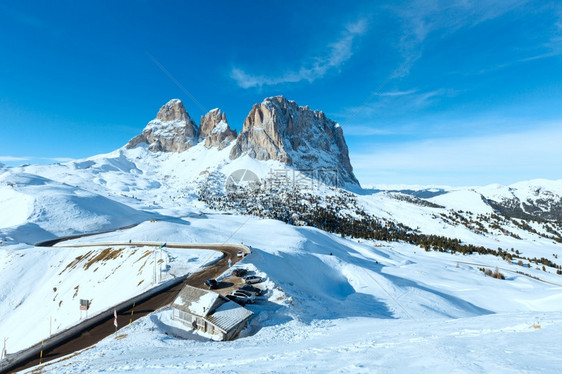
(427, 92)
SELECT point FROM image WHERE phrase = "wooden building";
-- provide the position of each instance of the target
(209, 312)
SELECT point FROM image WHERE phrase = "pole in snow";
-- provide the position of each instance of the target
(154, 275)
(41, 354)
(159, 263)
(115, 319)
(4, 351)
(132, 309)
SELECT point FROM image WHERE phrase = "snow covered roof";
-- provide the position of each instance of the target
(228, 315)
(197, 301)
(215, 308)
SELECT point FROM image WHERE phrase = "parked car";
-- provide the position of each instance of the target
(212, 283)
(240, 254)
(248, 297)
(250, 279)
(239, 272)
(237, 299)
(242, 292)
(251, 289)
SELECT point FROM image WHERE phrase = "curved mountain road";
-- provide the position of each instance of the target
(86, 337)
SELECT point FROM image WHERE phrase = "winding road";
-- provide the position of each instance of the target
(78, 337)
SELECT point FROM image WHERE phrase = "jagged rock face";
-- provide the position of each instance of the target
(215, 130)
(172, 130)
(279, 129)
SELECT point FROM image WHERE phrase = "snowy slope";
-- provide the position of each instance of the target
(356, 300)
(364, 301)
(42, 287)
(168, 184)
(525, 190)
(464, 199)
(358, 277)
(35, 208)
(149, 180)
(462, 213)
(486, 344)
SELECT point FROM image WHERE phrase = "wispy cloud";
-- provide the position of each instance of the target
(312, 69)
(423, 18)
(20, 159)
(370, 130)
(553, 47)
(13, 158)
(474, 160)
(397, 93)
(408, 100)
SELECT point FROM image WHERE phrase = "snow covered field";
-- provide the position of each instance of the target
(362, 308)
(334, 304)
(497, 343)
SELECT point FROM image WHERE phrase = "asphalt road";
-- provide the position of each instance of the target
(105, 327)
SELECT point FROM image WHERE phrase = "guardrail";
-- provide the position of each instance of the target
(16, 359)
(217, 246)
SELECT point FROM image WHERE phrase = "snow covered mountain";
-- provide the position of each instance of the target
(175, 163)
(277, 129)
(360, 274)
(172, 130)
(540, 199)
(215, 129)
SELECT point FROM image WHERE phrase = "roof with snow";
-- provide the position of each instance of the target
(197, 301)
(229, 315)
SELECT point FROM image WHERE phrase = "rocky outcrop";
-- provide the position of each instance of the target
(279, 129)
(215, 130)
(172, 130)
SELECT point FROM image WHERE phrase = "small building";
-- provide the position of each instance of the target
(210, 313)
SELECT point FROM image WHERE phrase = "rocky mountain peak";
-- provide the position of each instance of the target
(276, 129)
(211, 119)
(173, 110)
(279, 129)
(172, 130)
(215, 129)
